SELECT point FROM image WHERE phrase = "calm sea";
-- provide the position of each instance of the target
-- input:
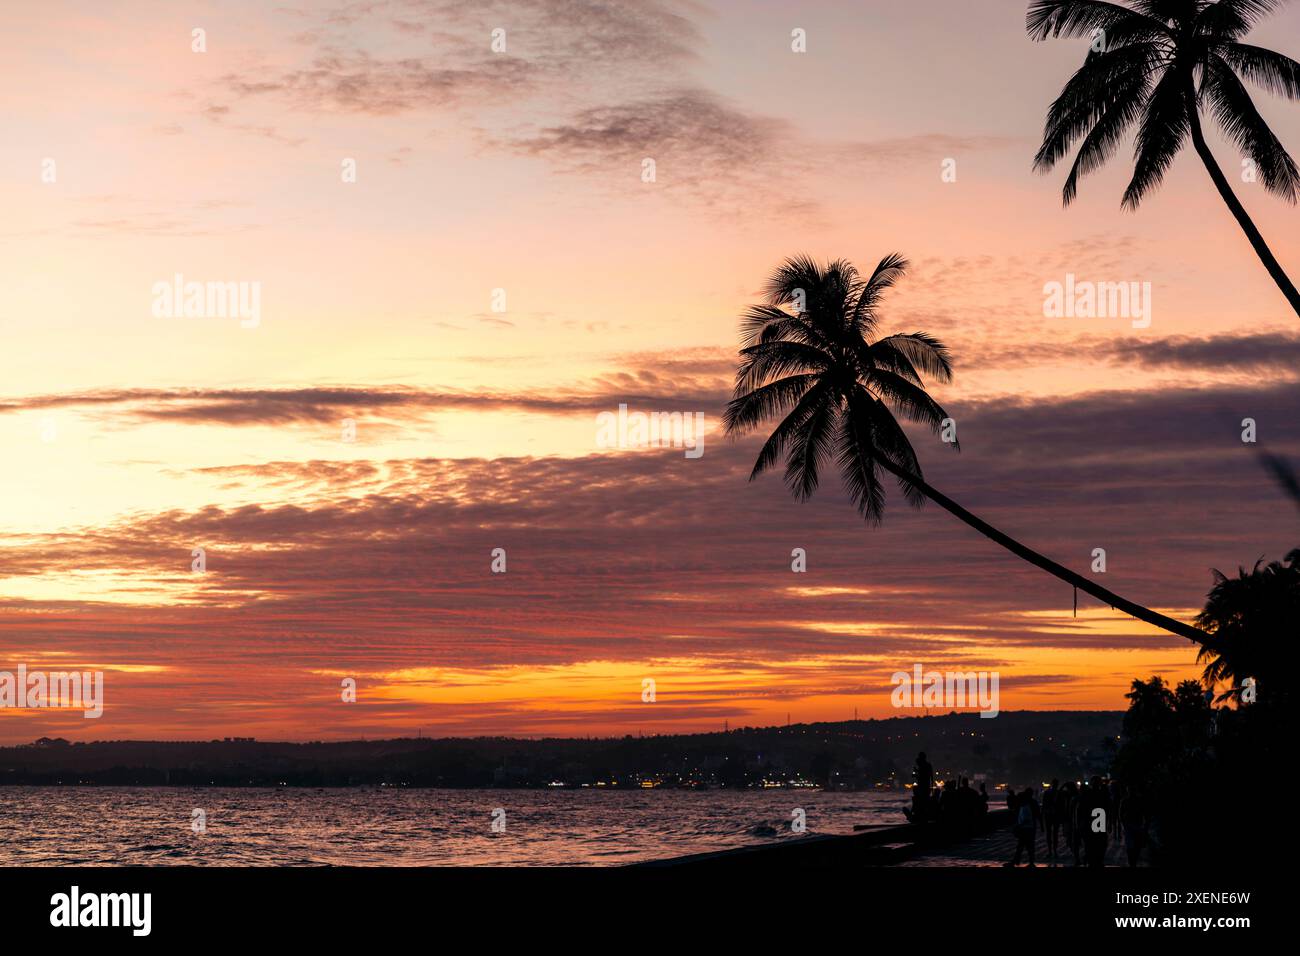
(394, 827)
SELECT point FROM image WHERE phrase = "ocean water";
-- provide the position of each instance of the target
(114, 826)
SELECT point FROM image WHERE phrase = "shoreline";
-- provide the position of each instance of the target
(884, 845)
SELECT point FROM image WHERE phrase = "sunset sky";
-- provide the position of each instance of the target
(132, 439)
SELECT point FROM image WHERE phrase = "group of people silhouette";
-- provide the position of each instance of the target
(955, 804)
(1080, 818)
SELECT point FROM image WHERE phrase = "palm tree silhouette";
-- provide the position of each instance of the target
(1251, 624)
(1250, 618)
(1151, 706)
(1157, 64)
(819, 367)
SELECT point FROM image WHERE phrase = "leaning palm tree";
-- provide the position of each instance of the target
(1158, 64)
(819, 366)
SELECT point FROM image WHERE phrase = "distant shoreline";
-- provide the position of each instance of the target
(816, 726)
(1018, 747)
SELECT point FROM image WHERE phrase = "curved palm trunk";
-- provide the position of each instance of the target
(1047, 564)
(1239, 211)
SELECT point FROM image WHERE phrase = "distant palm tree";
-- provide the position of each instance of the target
(1157, 64)
(1150, 703)
(820, 367)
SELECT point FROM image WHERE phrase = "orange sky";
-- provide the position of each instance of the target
(514, 180)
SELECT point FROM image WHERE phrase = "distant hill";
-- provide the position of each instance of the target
(1017, 747)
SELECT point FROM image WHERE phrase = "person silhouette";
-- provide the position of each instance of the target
(1133, 821)
(924, 780)
(968, 804)
(947, 802)
(1096, 823)
(1069, 809)
(1053, 799)
(1027, 817)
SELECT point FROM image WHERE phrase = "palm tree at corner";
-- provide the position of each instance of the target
(836, 387)
(1251, 620)
(1156, 65)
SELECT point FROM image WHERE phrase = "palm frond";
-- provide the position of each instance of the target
(1274, 72)
(796, 273)
(908, 400)
(1236, 115)
(768, 360)
(1285, 476)
(747, 411)
(1120, 110)
(1164, 127)
(855, 454)
(1232, 18)
(811, 443)
(1165, 10)
(789, 427)
(1105, 80)
(888, 271)
(920, 350)
(892, 444)
(770, 323)
(1077, 18)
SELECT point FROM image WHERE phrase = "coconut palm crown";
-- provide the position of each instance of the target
(1155, 66)
(823, 368)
